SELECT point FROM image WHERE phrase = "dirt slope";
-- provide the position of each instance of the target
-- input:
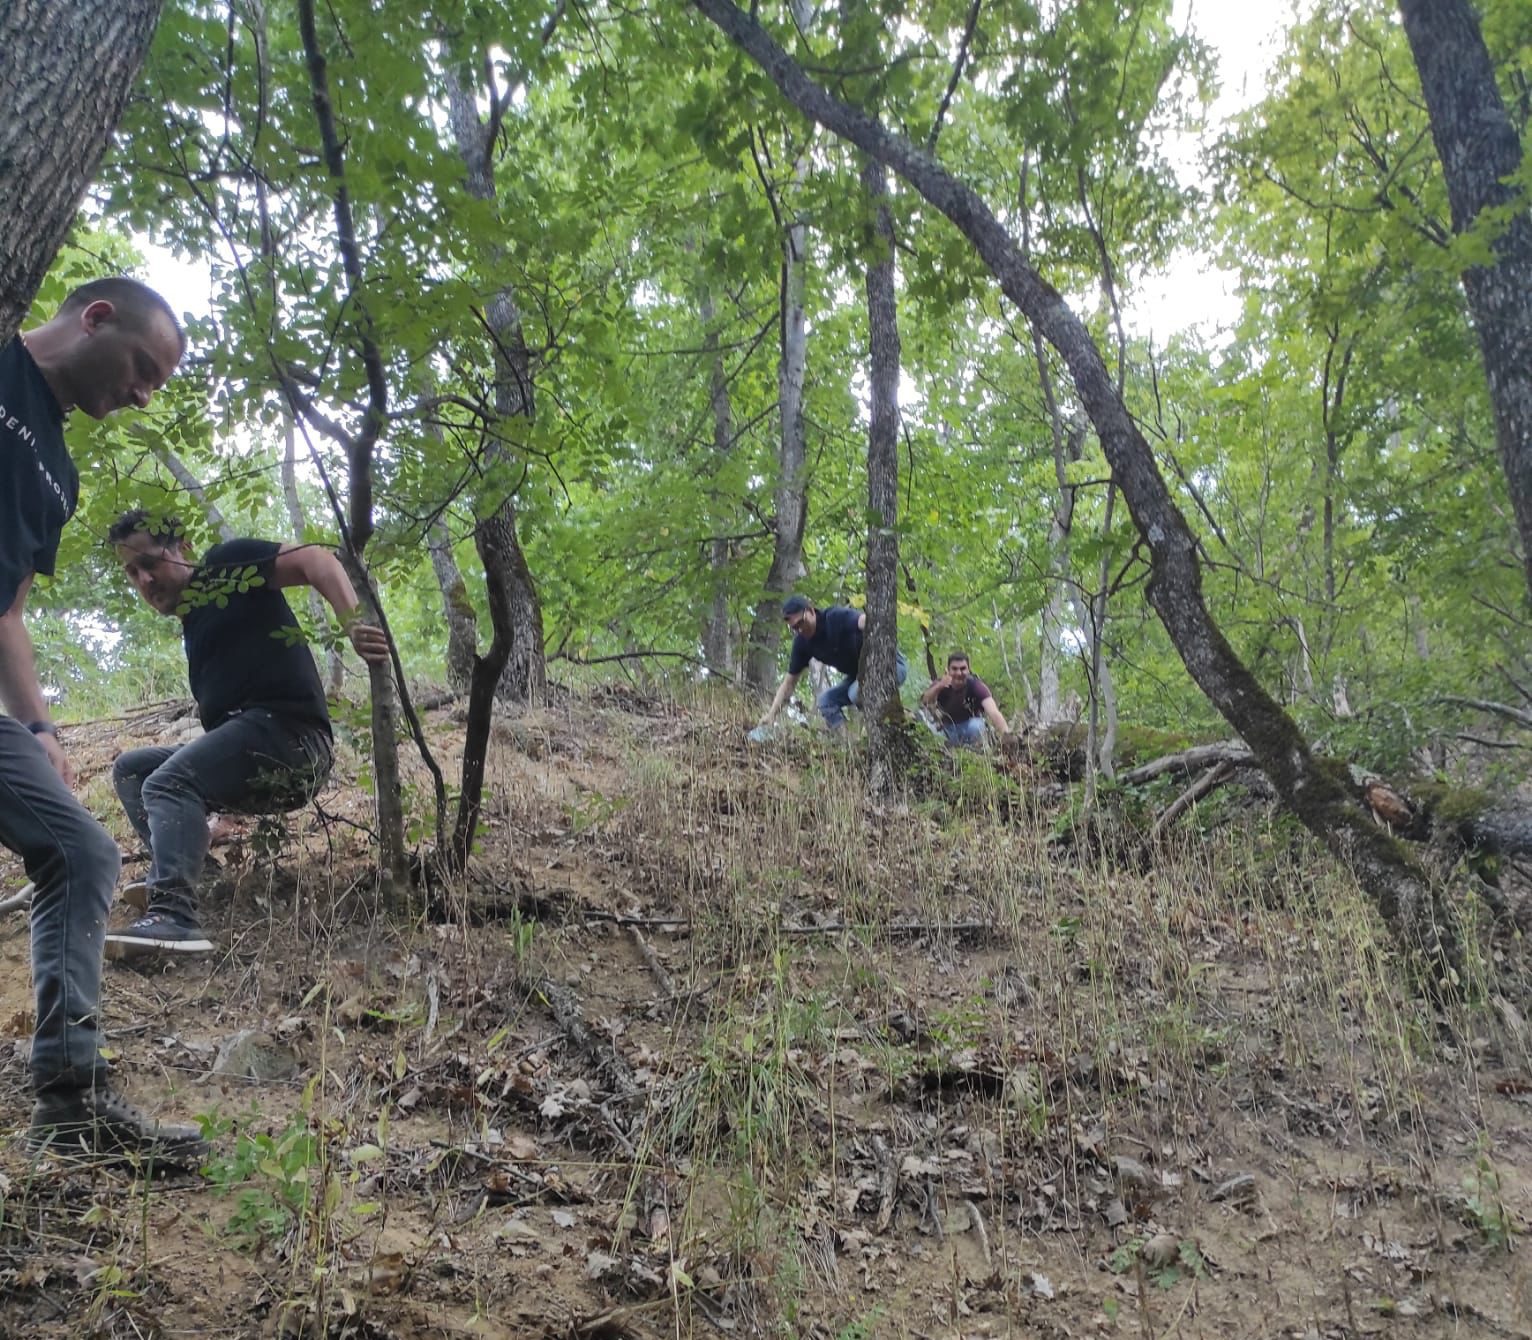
(710, 1046)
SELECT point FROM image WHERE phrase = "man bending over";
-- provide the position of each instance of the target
(267, 744)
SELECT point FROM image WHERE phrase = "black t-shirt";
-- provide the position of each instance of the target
(39, 486)
(837, 642)
(243, 647)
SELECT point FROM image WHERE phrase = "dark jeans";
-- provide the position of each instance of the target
(835, 699)
(73, 863)
(254, 763)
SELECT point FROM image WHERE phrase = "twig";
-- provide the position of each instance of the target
(980, 1232)
(22, 899)
(888, 1182)
(652, 962)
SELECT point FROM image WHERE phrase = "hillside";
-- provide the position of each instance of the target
(709, 1046)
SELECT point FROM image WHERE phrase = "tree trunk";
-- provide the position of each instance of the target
(524, 677)
(194, 489)
(65, 73)
(1480, 151)
(878, 683)
(790, 504)
(1406, 896)
(298, 525)
(717, 631)
(393, 862)
(457, 609)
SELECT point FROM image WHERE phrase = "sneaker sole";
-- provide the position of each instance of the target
(75, 1146)
(120, 946)
(135, 896)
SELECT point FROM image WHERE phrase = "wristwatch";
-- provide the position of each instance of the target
(43, 728)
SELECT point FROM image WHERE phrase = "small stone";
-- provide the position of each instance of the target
(1160, 1251)
(1130, 1172)
(1237, 1190)
(251, 1054)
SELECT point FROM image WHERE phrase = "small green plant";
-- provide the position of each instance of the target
(1166, 1270)
(521, 931)
(1485, 1206)
(271, 1176)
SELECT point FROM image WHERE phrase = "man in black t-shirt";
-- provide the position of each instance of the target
(112, 344)
(266, 746)
(833, 637)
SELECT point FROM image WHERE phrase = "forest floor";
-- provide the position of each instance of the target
(710, 1045)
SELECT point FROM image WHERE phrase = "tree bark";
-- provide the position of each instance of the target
(718, 631)
(790, 503)
(457, 609)
(524, 676)
(878, 683)
(1405, 894)
(298, 525)
(194, 489)
(515, 664)
(1480, 151)
(65, 74)
(392, 858)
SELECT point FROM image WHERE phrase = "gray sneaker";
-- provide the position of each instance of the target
(158, 932)
(98, 1121)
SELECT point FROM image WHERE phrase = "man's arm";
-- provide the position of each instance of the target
(928, 698)
(19, 689)
(314, 565)
(996, 719)
(784, 692)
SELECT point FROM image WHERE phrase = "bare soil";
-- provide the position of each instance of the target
(708, 1044)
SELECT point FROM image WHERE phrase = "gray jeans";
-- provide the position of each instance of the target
(73, 863)
(254, 763)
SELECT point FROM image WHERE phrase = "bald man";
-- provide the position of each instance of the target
(111, 345)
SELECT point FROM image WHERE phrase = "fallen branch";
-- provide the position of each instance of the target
(652, 962)
(627, 656)
(564, 1005)
(1189, 760)
(1516, 714)
(894, 930)
(1210, 781)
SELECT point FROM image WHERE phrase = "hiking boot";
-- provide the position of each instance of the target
(98, 1121)
(158, 932)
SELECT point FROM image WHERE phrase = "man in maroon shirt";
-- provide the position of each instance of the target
(962, 702)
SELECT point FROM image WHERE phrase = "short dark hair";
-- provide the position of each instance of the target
(957, 656)
(127, 294)
(161, 526)
(796, 605)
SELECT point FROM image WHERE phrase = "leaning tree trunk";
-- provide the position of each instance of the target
(791, 501)
(1408, 899)
(879, 688)
(1480, 150)
(65, 73)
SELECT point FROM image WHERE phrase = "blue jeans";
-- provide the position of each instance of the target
(254, 763)
(73, 863)
(835, 699)
(964, 732)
